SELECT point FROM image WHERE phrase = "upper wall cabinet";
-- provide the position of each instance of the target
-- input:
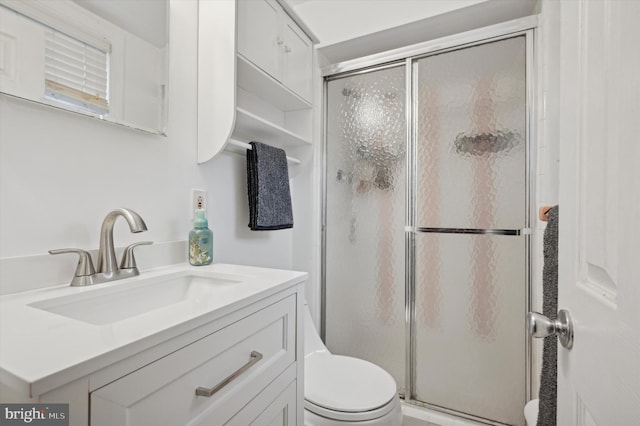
(272, 41)
(254, 76)
(259, 34)
(297, 59)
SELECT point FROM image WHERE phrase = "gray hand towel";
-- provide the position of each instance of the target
(268, 188)
(549, 374)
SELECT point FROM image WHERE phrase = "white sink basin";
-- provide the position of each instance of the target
(112, 303)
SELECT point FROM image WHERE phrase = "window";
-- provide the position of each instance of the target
(76, 73)
(60, 54)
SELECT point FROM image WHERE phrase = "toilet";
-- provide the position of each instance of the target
(342, 390)
(531, 412)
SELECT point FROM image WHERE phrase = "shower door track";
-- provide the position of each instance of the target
(453, 42)
(406, 57)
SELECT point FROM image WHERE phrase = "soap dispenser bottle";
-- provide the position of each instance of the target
(200, 241)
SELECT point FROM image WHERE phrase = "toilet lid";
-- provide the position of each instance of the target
(347, 384)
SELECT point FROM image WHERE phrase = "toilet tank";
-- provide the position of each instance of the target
(312, 341)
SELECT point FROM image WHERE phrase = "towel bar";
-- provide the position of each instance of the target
(247, 146)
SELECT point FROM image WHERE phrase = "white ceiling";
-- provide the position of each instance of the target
(334, 21)
(350, 29)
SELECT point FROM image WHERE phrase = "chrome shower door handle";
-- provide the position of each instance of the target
(540, 326)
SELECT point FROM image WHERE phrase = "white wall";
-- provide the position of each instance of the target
(547, 150)
(61, 173)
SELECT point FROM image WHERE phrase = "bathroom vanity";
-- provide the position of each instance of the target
(179, 345)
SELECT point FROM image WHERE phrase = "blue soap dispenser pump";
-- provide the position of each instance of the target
(200, 241)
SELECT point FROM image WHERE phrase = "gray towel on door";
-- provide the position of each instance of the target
(268, 188)
(549, 374)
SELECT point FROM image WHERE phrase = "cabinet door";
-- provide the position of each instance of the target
(266, 410)
(297, 59)
(258, 36)
(282, 411)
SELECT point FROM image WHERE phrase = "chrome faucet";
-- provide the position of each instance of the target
(107, 263)
(108, 269)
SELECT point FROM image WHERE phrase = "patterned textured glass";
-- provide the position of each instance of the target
(471, 137)
(366, 140)
(470, 334)
(471, 173)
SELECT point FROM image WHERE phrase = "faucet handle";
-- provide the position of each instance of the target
(85, 268)
(128, 259)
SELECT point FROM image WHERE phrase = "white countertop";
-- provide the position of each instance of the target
(40, 350)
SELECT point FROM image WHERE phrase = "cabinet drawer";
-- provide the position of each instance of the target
(164, 392)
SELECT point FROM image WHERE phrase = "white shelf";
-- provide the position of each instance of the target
(254, 80)
(249, 127)
(228, 82)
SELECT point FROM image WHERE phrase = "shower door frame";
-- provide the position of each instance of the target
(406, 57)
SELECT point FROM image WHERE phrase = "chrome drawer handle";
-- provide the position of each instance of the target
(255, 358)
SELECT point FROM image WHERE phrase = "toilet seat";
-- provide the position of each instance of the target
(345, 388)
(345, 416)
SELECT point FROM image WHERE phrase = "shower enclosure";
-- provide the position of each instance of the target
(426, 224)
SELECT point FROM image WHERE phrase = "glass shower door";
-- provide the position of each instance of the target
(447, 231)
(365, 218)
(470, 256)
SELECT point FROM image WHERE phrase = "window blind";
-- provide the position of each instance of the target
(76, 73)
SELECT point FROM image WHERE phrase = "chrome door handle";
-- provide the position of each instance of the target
(255, 358)
(540, 326)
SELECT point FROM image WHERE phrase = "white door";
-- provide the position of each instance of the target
(599, 240)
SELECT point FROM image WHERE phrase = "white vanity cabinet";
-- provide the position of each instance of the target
(228, 351)
(270, 39)
(164, 392)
